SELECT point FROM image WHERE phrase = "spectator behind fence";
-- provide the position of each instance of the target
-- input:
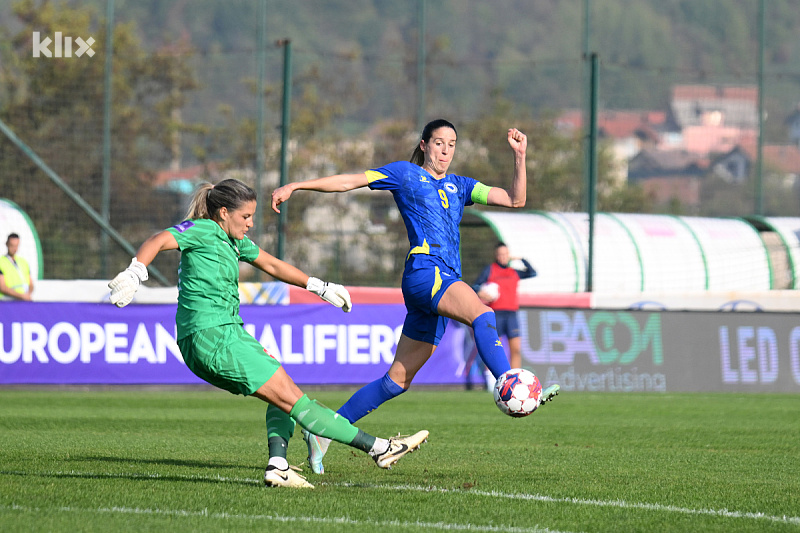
(15, 273)
(497, 288)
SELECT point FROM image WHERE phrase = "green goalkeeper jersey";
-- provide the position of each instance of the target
(208, 275)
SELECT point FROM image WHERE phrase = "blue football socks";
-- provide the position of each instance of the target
(489, 346)
(369, 397)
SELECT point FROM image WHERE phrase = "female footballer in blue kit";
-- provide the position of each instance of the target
(215, 346)
(431, 202)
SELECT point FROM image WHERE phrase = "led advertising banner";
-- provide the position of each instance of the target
(82, 343)
(641, 351)
(581, 349)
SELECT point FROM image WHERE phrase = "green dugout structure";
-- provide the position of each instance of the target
(642, 253)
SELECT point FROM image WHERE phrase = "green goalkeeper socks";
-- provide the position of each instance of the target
(280, 428)
(279, 424)
(323, 422)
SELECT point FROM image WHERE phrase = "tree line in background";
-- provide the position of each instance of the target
(493, 44)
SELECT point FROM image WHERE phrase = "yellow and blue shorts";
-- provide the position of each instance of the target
(229, 358)
(425, 280)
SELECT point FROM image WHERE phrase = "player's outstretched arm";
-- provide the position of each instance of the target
(280, 270)
(332, 293)
(126, 283)
(337, 183)
(163, 240)
(515, 196)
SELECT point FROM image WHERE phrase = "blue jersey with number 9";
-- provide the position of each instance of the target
(431, 208)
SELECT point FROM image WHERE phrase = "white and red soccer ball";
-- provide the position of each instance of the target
(517, 392)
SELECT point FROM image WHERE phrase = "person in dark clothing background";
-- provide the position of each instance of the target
(503, 298)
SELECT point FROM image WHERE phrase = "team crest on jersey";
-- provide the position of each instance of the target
(451, 188)
(423, 179)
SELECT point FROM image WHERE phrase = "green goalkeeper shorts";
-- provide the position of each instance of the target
(229, 358)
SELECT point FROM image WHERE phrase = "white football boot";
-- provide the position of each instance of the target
(399, 446)
(315, 452)
(273, 477)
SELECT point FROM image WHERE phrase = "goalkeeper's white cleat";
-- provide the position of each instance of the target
(273, 477)
(399, 446)
(315, 452)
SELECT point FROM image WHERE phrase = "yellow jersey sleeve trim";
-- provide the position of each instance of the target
(480, 194)
(373, 175)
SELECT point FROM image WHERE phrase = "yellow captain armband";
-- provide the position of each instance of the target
(480, 194)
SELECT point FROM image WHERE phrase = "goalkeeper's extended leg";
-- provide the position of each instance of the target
(323, 422)
(280, 391)
(409, 358)
(365, 400)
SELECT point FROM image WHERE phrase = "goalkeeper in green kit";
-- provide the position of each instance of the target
(212, 340)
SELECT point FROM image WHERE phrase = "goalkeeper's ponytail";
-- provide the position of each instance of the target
(209, 199)
(198, 206)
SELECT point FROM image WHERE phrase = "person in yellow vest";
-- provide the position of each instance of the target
(15, 274)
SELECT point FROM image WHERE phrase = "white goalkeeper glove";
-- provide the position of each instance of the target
(330, 292)
(125, 285)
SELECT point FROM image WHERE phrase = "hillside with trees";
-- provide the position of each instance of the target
(494, 44)
(185, 93)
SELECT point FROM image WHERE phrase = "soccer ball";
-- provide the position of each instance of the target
(517, 392)
(491, 289)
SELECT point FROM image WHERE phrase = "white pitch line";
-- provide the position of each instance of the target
(621, 504)
(425, 526)
(725, 513)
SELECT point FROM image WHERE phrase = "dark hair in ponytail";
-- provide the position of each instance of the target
(209, 199)
(418, 157)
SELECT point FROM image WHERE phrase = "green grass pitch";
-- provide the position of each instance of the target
(133, 459)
